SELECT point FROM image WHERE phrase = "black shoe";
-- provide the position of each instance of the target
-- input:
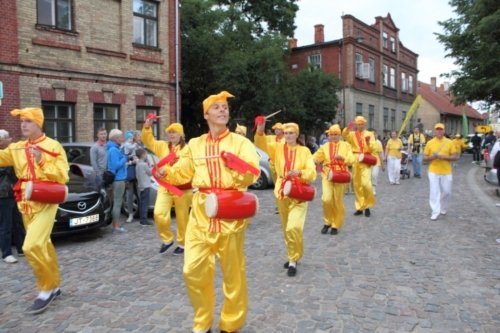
(358, 212)
(292, 271)
(325, 228)
(334, 231)
(147, 223)
(57, 293)
(178, 251)
(164, 247)
(285, 265)
(40, 305)
(367, 212)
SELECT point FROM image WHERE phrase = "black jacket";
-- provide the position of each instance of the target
(7, 180)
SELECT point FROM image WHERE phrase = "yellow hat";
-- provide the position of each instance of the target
(439, 125)
(33, 114)
(240, 129)
(212, 99)
(291, 127)
(360, 120)
(457, 135)
(278, 126)
(175, 127)
(334, 129)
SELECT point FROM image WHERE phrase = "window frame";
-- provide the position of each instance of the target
(58, 121)
(359, 109)
(410, 84)
(393, 119)
(393, 44)
(371, 116)
(55, 15)
(404, 82)
(371, 66)
(385, 38)
(98, 123)
(358, 65)
(146, 18)
(314, 61)
(386, 118)
(139, 120)
(385, 75)
(392, 77)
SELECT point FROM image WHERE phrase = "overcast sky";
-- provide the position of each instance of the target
(416, 20)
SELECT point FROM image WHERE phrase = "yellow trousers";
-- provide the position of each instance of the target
(39, 250)
(199, 274)
(362, 183)
(162, 211)
(293, 216)
(333, 203)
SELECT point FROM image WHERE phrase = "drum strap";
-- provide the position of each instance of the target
(335, 165)
(359, 139)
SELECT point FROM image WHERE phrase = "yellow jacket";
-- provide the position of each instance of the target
(361, 145)
(393, 147)
(441, 146)
(323, 155)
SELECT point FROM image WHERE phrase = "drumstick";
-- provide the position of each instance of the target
(272, 114)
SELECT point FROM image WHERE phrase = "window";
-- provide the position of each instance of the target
(371, 69)
(393, 77)
(145, 22)
(371, 116)
(59, 121)
(141, 114)
(393, 119)
(410, 84)
(393, 45)
(385, 73)
(386, 118)
(106, 116)
(359, 65)
(404, 116)
(54, 13)
(404, 82)
(359, 109)
(384, 39)
(315, 61)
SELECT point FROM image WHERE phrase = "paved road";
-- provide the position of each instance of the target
(396, 271)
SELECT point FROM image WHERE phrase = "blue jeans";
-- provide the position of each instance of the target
(11, 228)
(417, 164)
(144, 205)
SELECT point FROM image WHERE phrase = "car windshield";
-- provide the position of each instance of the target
(80, 183)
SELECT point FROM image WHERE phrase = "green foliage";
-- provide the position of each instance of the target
(240, 46)
(472, 39)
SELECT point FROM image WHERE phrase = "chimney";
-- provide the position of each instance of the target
(446, 86)
(433, 83)
(319, 34)
(292, 43)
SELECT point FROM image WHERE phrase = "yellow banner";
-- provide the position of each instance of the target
(410, 113)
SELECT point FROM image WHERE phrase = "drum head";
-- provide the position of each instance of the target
(28, 189)
(287, 187)
(361, 157)
(211, 205)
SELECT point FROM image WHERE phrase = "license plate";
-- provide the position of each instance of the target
(77, 221)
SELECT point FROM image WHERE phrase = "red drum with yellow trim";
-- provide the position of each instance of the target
(231, 205)
(45, 192)
(339, 176)
(299, 191)
(367, 159)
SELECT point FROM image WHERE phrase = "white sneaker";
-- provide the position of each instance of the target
(443, 212)
(10, 259)
(397, 183)
(434, 217)
(130, 218)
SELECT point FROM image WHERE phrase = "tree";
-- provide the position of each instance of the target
(472, 39)
(240, 46)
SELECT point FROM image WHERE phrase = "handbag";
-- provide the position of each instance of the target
(108, 178)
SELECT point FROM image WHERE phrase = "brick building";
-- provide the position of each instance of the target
(378, 73)
(437, 106)
(88, 64)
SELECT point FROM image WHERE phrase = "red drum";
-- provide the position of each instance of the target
(340, 176)
(299, 191)
(367, 159)
(46, 192)
(231, 205)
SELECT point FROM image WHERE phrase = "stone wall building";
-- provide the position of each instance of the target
(89, 64)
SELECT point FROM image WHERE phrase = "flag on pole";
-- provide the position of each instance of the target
(410, 113)
(465, 123)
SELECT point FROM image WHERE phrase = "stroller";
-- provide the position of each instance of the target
(404, 172)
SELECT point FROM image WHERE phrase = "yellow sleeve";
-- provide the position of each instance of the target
(320, 156)
(349, 157)
(261, 141)
(308, 168)
(53, 168)
(159, 148)
(6, 157)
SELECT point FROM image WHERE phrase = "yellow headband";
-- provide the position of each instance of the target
(212, 99)
(175, 127)
(278, 126)
(360, 120)
(291, 126)
(240, 129)
(334, 129)
(33, 114)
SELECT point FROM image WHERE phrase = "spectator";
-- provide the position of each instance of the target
(311, 144)
(476, 148)
(393, 158)
(129, 148)
(117, 164)
(99, 155)
(143, 174)
(416, 143)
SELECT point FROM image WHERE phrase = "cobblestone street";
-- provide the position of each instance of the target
(396, 271)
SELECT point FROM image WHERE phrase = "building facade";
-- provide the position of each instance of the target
(88, 64)
(378, 73)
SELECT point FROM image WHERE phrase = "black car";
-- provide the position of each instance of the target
(87, 206)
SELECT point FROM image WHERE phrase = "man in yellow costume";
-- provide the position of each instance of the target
(43, 159)
(276, 137)
(362, 142)
(440, 152)
(205, 164)
(293, 162)
(172, 149)
(335, 156)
